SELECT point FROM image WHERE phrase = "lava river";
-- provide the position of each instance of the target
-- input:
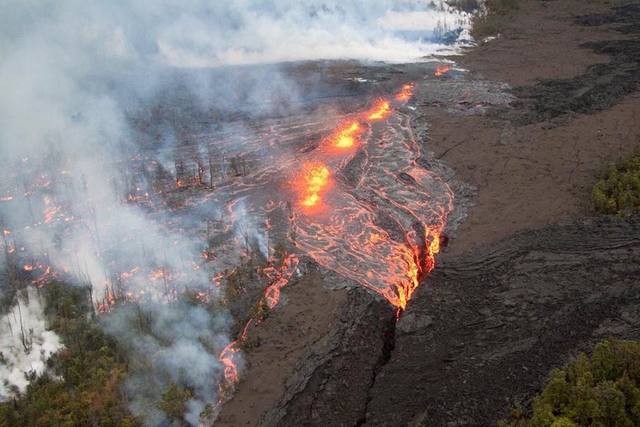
(358, 203)
(365, 207)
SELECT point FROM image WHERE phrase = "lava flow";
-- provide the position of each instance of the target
(359, 202)
(442, 70)
(229, 357)
(380, 111)
(315, 182)
(405, 93)
(347, 136)
(380, 224)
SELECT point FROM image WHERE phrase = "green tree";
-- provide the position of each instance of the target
(603, 390)
(618, 191)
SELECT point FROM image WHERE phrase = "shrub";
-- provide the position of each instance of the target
(603, 390)
(618, 191)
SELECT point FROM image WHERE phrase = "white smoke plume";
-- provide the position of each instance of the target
(25, 344)
(73, 74)
(176, 346)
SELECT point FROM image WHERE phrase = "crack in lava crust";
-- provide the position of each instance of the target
(343, 231)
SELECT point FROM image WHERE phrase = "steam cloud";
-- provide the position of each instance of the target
(74, 73)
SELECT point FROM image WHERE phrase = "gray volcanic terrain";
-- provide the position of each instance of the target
(479, 336)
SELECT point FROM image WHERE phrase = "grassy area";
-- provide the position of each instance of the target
(599, 391)
(618, 192)
(494, 19)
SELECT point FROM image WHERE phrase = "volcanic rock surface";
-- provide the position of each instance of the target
(504, 306)
(603, 84)
(479, 337)
(488, 326)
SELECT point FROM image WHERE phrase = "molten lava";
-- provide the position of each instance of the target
(405, 93)
(380, 111)
(315, 182)
(362, 205)
(442, 70)
(227, 358)
(347, 136)
(388, 181)
(279, 277)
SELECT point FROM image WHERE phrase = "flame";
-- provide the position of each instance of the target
(380, 111)
(441, 70)
(434, 246)
(126, 275)
(405, 93)
(50, 212)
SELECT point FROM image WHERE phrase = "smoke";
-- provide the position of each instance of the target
(169, 344)
(25, 344)
(80, 82)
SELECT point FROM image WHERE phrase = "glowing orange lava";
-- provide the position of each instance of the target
(442, 70)
(227, 357)
(347, 135)
(279, 277)
(349, 241)
(405, 93)
(315, 182)
(380, 111)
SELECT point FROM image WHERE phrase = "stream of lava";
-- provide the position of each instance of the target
(380, 221)
(364, 208)
(359, 202)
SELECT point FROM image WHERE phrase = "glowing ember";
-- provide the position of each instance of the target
(380, 111)
(442, 70)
